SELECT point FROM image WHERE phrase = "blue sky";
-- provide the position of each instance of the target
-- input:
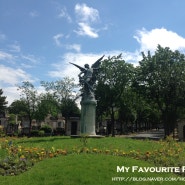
(38, 38)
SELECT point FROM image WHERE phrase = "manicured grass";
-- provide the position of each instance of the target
(68, 143)
(85, 168)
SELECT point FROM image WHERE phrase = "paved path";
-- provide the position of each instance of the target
(152, 134)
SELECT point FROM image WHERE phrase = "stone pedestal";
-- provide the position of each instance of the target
(88, 116)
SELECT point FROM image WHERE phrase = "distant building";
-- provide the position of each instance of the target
(73, 126)
(70, 126)
(8, 128)
(58, 124)
(55, 122)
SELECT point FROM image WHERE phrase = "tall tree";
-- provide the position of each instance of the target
(19, 108)
(29, 96)
(115, 74)
(127, 113)
(161, 79)
(64, 93)
(46, 104)
(3, 101)
(61, 89)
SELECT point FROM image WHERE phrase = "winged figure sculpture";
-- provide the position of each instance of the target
(87, 76)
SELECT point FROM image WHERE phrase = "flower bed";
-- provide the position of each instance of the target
(20, 158)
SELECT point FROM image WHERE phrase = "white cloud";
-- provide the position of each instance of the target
(75, 47)
(26, 66)
(28, 61)
(9, 78)
(15, 47)
(5, 56)
(64, 14)
(63, 68)
(86, 16)
(149, 40)
(11, 94)
(30, 58)
(85, 29)
(13, 76)
(57, 39)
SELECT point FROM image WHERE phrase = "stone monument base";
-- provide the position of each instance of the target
(88, 116)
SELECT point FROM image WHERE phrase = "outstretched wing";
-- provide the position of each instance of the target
(95, 68)
(81, 68)
(97, 63)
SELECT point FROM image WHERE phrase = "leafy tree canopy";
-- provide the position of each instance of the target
(3, 101)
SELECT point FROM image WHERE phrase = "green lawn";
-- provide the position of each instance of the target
(103, 143)
(84, 168)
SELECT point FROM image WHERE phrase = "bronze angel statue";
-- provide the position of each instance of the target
(87, 77)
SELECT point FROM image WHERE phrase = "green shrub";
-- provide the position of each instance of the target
(34, 132)
(46, 128)
(41, 133)
(59, 131)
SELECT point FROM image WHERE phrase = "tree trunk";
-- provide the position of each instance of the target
(29, 134)
(112, 121)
